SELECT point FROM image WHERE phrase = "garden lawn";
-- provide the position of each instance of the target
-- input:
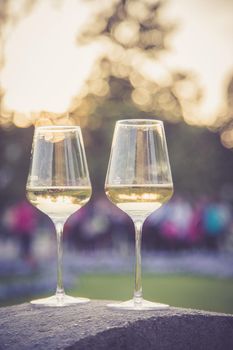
(206, 293)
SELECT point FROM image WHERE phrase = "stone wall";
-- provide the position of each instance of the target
(93, 326)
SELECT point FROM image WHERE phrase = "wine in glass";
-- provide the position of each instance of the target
(139, 181)
(58, 184)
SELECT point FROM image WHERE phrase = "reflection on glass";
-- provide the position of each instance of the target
(139, 181)
(58, 184)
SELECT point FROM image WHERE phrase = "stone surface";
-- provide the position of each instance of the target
(93, 326)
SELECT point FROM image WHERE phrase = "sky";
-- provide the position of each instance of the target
(203, 44)
(45, 68)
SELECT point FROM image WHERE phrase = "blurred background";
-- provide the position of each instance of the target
(90, 63)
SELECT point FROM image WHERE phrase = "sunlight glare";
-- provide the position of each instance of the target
(44, 66)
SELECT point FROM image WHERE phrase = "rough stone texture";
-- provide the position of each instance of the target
(93, 326)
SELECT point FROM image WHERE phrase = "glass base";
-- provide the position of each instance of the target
(138, 306)
(59, 301)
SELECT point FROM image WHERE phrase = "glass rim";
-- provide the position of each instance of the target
(139, 122)
(55, 128)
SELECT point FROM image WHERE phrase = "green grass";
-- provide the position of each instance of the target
(204, 293)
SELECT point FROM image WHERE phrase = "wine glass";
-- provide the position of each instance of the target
(58, 184)
(139, 181)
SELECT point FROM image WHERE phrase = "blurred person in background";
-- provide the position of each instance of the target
(21, 221)
(99, 225)
(217, 217)
(175, 225)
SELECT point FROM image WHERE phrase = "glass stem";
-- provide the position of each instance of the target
(59, 231)
(138, 264)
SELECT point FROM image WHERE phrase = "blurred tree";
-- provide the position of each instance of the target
(133, 37)
(225, 122)
(129, 81)
(200, 164)
(15, 146)
(121, 84)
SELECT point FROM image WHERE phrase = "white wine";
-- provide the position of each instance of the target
(139, 200)
(58, 202)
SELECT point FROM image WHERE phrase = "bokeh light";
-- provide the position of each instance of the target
(91, 63)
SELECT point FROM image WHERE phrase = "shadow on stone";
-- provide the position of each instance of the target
(93, 326)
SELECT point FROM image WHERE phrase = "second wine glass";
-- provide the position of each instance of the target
(58, 184)
(139, 181)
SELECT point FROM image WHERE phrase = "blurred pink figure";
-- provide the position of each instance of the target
(177, 220)
(22, 221)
